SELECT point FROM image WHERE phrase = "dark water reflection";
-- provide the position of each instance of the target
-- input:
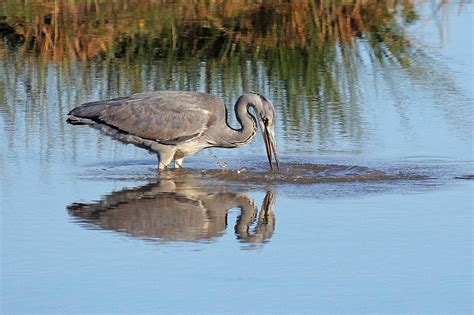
(193, 205)
(325, 66)
(172, 210)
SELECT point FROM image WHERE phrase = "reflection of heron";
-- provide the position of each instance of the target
(178, 211)
(177, 124)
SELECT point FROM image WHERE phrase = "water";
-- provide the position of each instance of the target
(372, 211)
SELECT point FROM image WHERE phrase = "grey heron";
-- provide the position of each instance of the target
(175, 124)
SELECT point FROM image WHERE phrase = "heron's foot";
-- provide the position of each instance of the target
(164, 160)
(162, 167)
(178, 163)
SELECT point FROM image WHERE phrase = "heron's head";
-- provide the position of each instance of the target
(266, 118)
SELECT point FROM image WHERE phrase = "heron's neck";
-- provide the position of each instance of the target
(248, 124)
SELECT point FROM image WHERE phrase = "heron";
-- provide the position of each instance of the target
(176, 124)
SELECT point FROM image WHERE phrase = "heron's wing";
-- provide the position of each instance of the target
(167, 117)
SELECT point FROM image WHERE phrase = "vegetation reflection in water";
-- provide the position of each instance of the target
(305, 55)
(179, 210)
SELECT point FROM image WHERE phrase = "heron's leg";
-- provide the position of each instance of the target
(164, 158)
(178, 163)
(178, 159)
(163, 164)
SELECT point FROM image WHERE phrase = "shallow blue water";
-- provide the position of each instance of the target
(368, 245)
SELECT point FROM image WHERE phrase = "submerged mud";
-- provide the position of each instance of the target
(293, 174)
(307, 173)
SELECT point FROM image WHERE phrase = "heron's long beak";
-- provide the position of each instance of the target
(270, 144)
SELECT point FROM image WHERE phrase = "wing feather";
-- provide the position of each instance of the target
(167, 117)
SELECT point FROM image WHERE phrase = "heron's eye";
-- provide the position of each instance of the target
(265, 120)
